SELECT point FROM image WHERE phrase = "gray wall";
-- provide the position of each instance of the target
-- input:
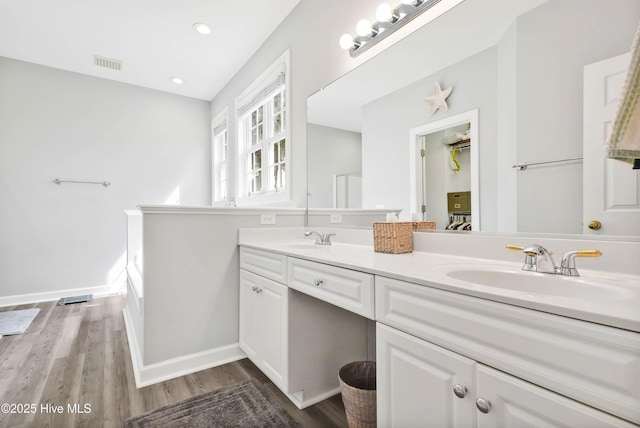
(56, 124)
(331, 151)
(387, 121)
(549, 93)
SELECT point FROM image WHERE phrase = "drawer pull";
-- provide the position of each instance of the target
(317, 282)
(254, 288)
(258, 290)
(483, 405)
(460, 390)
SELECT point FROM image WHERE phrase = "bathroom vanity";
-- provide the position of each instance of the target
(450, 349)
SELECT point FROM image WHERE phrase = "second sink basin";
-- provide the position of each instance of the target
(540, 284)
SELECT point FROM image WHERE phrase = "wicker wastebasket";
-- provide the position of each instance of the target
(358, 387)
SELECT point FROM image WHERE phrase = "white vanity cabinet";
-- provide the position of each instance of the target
(421, 384)
(295, 337)
(348, 289)
(415, 381)
(264, 325)
(443, 358)
(434, 340)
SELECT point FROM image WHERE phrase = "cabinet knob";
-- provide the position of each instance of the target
(254, 288)
(483, 405)
(460, 390)
(317, 282)
(258, 290)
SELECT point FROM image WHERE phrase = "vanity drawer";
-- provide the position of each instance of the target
(591, 363)
(345, 288)
(264, 263)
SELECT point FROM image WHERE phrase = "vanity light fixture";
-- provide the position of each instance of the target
(202, 28)
(177, 80)
(388, 20)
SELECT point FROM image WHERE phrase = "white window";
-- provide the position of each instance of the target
(263, 137)
(220, 158)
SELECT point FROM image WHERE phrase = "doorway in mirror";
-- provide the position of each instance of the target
(444, 167)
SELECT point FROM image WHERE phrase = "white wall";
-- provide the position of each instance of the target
(152, 146)
(331, 151)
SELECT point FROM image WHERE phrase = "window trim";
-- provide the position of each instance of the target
(248, 96)
(221, 119)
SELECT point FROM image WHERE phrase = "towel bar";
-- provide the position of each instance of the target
(104, 183)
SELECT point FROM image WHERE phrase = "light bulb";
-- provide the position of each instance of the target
(202, 28)
(384, 13)
(177, 80)
(363, 28)
(346, 41)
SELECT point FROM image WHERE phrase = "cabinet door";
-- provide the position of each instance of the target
(274, 319)
(249, 314)
(516, 403)
(416, 380)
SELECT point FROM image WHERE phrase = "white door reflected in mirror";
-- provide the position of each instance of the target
(611, 188)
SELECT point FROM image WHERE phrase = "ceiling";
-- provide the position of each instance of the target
(154, 39)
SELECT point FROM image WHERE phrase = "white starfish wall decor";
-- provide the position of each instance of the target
(437, 100)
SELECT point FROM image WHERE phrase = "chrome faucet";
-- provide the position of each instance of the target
(539, 259)
(321, 238)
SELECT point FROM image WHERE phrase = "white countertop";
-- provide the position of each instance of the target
(608, 299)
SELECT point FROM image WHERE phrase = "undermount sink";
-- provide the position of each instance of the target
(538, 283)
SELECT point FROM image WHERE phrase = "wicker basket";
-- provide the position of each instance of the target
(393, 237)
(424, 225)
(358, 388)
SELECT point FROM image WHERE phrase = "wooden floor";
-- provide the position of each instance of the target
(78, 354)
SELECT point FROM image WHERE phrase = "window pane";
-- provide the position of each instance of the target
(258, 181)
(275, 153)
(282, 150)
(254, 119)
(260, 114)
(277, 124)
(260, 133)
(257, 159)
(277, 106)
(254, 136)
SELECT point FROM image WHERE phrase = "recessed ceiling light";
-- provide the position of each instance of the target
(202, 28)
(177, 80)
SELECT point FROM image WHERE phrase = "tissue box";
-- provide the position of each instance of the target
(393, 237)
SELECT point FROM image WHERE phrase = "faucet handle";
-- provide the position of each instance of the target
(568, 264)
(531, 263)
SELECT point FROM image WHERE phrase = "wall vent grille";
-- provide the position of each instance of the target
(113, 64)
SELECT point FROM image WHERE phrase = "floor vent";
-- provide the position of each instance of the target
(75, 299)
(113, 64)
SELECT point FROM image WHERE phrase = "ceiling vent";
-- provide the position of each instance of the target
(102, 61)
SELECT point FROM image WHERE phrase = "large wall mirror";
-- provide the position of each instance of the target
(531, 69)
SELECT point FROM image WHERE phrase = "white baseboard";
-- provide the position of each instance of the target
(179, 366)
(23, 299)
(300, 402)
